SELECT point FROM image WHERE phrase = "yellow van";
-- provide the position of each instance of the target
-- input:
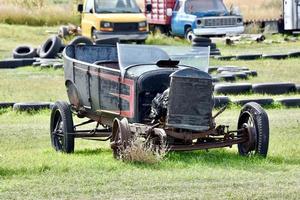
(123, 19)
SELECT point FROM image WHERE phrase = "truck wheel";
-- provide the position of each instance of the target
(256, 122)
(189, 35)
(61, 127)
(120, 137)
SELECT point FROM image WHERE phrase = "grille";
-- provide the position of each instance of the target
(212, 22)
(126, 27)
(190, 100)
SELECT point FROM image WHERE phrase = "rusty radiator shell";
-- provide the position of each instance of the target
(190, 100)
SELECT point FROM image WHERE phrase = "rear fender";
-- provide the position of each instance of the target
(73, 94)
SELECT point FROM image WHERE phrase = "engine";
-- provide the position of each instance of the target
(188, 103)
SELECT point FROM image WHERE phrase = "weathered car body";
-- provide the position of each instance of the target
(139, 91)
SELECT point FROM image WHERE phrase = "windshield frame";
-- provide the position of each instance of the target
(134, 10)
(225, 10)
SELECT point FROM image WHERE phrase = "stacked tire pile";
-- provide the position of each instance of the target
(205, 42)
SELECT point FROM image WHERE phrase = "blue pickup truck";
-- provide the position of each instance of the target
(193, 18)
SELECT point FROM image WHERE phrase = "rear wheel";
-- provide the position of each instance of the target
(256, 123)
(61, 128)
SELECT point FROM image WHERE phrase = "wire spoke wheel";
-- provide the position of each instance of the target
(254, 120)
(61, 128)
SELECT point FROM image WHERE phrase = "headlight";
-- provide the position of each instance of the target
(106, 24)
(199, 22)
(142, 24)
(239, 20)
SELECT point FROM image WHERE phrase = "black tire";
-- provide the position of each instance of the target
(231, 69)
(36, 64)
(295, 54)
(239, 88)
(251, 73)
(188, 34)
(5, 105)
(225, 57)
(298, 88)
(14, 63)
(51, 47)
(290, 102)
(249, 57)
(213, 69)
(110, 41)
(24, 52)
(262, 102)
(34, 106)
(253, 116)
(204, 44)
(81, 40)
(226, 77)
(275, 56)
(201, 40)
(61, 125)
(63, 31)
(215, 52)
(216, 79)
(58, 66)
(221, 101)
(274, 88)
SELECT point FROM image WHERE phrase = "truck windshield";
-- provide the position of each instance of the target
(196, 6)
(116, 6)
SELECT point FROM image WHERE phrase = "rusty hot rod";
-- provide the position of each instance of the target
(129, 90)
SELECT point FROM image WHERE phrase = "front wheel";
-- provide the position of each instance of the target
(254, 120)
(62, 128)
(189, 35)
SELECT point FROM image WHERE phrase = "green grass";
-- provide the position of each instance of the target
(31, 169)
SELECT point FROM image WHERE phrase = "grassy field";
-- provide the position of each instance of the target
(31, 169)
(39, 12)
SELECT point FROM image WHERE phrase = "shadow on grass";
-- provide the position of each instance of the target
(90, 152)
(220, 159)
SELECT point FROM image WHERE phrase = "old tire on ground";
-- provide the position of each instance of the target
(275, 56)
(262, 102)
(24, 52)
(290, 102)
(248, 56)
(225, 57)
(226, 77)
(295, 54)
(231, 69)
(239, 88)
(32, 106)
(79, 40)
(256, 120)
(274, 88)
(201, 40)
(51, 47)
(4, 105)
(298, 88)
(205, 44)
(221, 101)
(61, 127)
(120, 137)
